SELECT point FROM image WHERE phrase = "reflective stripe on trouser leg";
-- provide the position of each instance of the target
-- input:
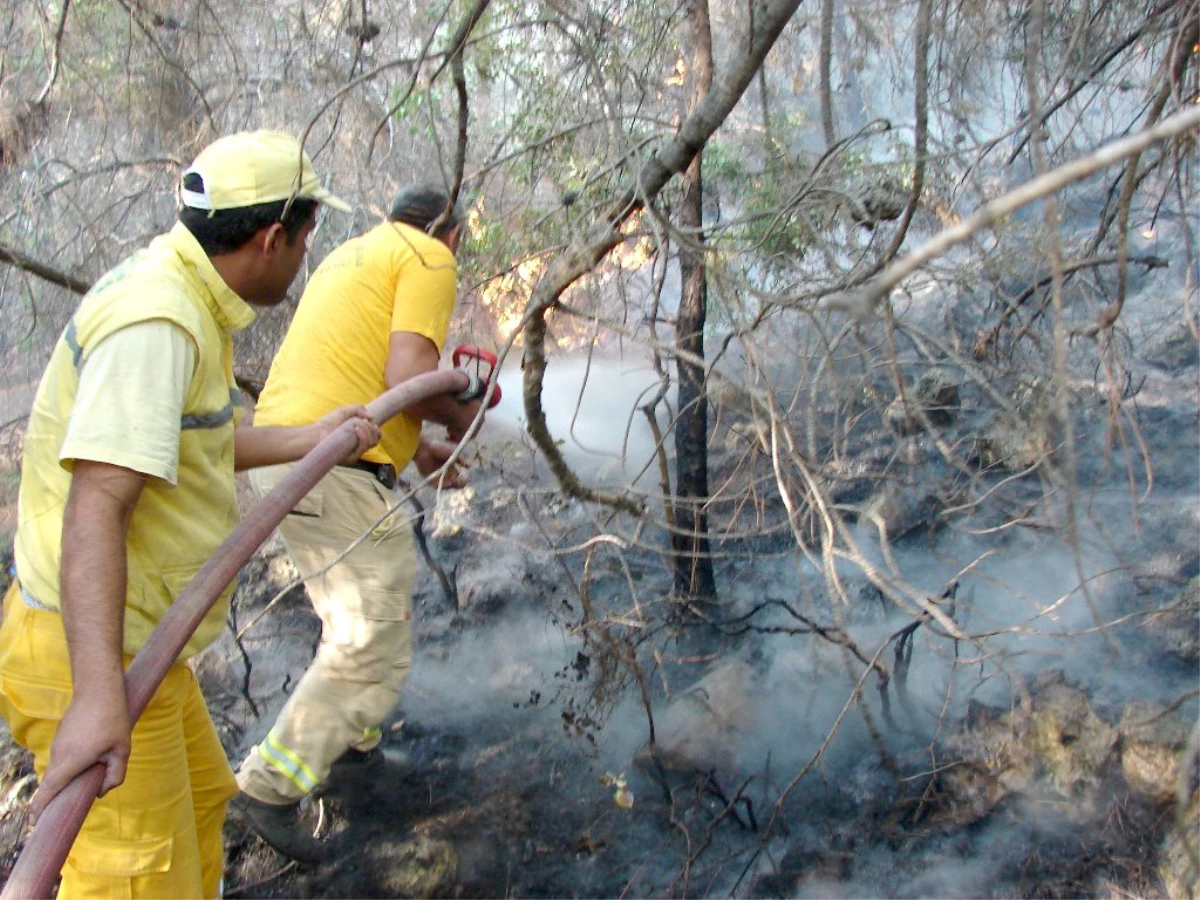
(159, 833)
(278, 755)
(369, 738)
(363, 601)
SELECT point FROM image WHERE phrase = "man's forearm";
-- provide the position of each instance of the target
(94, 572)
(411, 355)
(443, 409)
(269, 445)
(273, 444)
(95, 729)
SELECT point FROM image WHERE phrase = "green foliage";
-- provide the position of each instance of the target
(767, 232)
(903, 167)
(493, 245)
(771, 228)
(723, 165)
(418, 111)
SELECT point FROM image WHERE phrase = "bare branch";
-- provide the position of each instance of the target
(41, 270)
(55, 53)
(604, 235)
(863, 302)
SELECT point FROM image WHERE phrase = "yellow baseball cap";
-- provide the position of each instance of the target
(253, 167)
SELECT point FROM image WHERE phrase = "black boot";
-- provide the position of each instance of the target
(364, 770)
(280, 826)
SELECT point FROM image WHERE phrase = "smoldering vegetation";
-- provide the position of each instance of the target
(578, 732)
(953, 645)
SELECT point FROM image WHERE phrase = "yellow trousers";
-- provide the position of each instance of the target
(159, 833)
(363, 599)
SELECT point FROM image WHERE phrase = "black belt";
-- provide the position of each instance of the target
(384, 473)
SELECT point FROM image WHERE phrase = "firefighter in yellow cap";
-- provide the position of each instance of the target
(127, 488)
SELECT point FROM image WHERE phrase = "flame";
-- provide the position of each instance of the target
(677, 75)
(507, 295)
(474, 220)
(633, 255)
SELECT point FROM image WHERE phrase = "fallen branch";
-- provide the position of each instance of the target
(988, 338)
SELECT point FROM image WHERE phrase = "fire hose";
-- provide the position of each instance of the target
(49, 843)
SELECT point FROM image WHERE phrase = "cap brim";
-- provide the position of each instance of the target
(323, 196)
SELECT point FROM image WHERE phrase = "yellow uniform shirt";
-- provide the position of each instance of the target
(393, 278)
(189, 507)
(129, 402)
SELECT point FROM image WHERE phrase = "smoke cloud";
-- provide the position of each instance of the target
(592, 407)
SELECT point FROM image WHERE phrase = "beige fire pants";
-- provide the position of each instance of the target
(363, 600)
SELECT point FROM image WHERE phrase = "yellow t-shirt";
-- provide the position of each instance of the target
(130, 400)
(393, 278)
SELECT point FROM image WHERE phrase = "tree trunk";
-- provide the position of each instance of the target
(825, 69)
(693, 561)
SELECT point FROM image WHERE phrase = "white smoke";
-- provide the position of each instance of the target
(593, 409)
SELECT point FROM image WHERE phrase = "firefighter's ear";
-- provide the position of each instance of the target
(272, 238)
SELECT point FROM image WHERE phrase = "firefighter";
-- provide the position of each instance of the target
(375, 313)
(127, 488)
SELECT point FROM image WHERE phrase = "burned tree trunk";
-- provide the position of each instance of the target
(693, 561)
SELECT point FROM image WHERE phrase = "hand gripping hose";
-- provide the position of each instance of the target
(50, 841)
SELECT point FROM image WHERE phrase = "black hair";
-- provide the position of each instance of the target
(421, 205)
(226, 230)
